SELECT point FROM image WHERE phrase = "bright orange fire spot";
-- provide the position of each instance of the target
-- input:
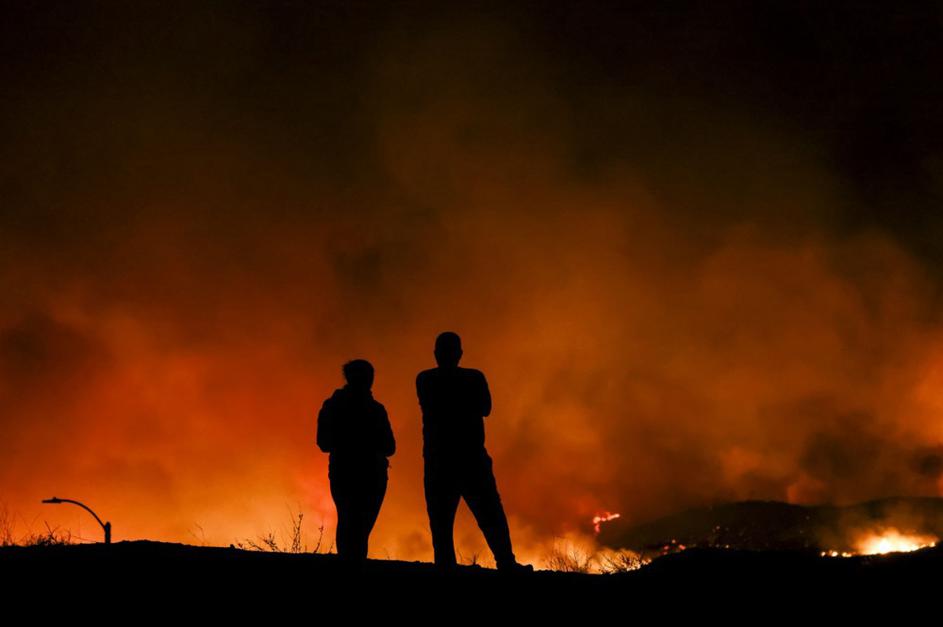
(834, 553)
(887, 541)
(893, 541)
(601, 518)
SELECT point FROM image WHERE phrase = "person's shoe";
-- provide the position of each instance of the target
(515, 568)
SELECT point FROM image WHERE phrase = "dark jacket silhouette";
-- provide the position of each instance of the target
(454, 402)
(355, 429)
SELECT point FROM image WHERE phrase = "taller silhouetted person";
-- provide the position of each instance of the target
(454, 403)
(355, 430)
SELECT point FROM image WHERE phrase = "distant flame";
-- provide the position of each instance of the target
(834, 553)
(893, 541)
(605, 517)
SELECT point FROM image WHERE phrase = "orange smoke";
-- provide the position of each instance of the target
(678, 323)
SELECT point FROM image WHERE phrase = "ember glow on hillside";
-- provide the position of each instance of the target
(687, 279)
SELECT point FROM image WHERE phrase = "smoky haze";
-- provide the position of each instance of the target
(680, 272)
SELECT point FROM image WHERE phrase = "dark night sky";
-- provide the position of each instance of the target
(858, 82)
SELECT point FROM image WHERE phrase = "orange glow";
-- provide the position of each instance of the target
(683, 324)
(834, 553)
(893, 541)
(673, 546)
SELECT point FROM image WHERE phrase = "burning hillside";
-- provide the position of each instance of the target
(875, 527)
(884, 541)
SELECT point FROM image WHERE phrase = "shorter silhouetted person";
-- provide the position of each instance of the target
(454, 403)
(355, 429)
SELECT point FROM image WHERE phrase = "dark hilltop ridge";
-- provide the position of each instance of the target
(148, 572)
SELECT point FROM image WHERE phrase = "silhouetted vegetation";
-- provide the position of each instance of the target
(292, 542)
(568, 558)
(52, 536)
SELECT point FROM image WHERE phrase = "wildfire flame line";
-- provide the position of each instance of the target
(888, 541)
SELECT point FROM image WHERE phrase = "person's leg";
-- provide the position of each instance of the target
(373, 493)
(340, 492)
(441, 503)
(481, 493)
(357, 538)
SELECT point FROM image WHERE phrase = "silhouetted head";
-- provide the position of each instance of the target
(359, 374)
(448, 349)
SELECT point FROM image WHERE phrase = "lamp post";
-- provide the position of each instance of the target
(106, 525)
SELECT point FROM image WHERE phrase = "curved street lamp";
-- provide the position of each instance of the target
(106, 525)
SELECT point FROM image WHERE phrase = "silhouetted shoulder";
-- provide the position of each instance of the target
(422, 385)
(422, 378)
(327, 417)
(474, 372)
(425, 374)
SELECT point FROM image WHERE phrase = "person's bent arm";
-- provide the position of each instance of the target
(420, 391)
(388, 447)
(326, 428)
(485, 397)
